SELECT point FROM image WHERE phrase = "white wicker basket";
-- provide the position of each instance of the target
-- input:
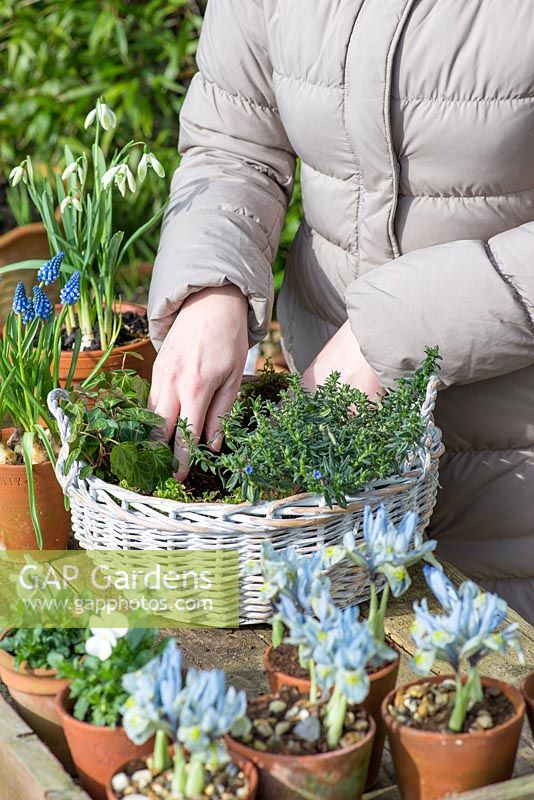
(107, 517)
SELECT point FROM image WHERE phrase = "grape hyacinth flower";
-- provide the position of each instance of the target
(20, 300)
(28, 312)
(467, 631)
(49, 272)
(42, 306)
(70, 294)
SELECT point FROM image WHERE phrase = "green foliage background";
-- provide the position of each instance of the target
(57, 56)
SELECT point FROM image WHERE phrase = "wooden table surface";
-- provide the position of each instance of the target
(239, 653)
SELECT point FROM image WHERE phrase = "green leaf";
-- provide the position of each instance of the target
(27, 446)
(142, 465)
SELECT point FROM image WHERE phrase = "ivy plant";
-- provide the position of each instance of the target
(113, 436)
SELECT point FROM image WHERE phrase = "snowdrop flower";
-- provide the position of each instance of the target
(149, 160)
(17, 175)
(69, 170)
(103, 641)
(120, 175)
(105, 115)
(70, 201)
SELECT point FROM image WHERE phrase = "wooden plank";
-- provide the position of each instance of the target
(28, 771)
(519, 789)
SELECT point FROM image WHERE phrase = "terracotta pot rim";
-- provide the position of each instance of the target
(5, 434)
(511, 693)
(138, 309)
(316, 757)
(528, 695)
(379, 673)
(40, 672)
(240, 761)
(62, 700)
(19, 231)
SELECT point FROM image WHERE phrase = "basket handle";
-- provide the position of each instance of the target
(427, 409)
(63, 423)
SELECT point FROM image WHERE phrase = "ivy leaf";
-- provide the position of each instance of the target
(144, 416)
(143, 465)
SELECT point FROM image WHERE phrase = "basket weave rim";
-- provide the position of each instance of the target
(303, 506)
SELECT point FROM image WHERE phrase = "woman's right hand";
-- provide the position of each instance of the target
(198, 371)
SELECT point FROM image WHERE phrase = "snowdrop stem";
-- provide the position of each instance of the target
(162, 760)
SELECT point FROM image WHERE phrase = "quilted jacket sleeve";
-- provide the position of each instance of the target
(474, 299)
(229, 196)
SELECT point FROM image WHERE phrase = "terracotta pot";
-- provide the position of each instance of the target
(244, 764)
(527, 687)
(382, 682)
(121, 357)
(97, 752)
(432, 765)
(34, 693)
(339, 775)
(21, 244)
(16, 526)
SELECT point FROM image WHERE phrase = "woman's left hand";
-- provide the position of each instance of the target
(342, 354)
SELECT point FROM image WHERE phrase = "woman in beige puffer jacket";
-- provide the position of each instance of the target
(414, 123)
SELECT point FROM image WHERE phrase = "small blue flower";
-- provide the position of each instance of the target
(70, 294)
(248, 469)
(50, 271)
(28, 312)
(42, 306)
(317, 474)
(20, 300)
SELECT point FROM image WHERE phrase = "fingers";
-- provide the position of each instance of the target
(164, 401)
(194, 409)
(222, 402)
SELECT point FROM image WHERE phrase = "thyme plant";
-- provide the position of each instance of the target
(331, 442)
